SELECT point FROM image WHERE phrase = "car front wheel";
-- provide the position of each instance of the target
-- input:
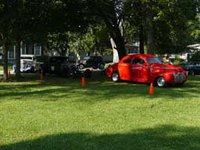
(101, 66)
(81, 66)
(160, 82)
(115, 77)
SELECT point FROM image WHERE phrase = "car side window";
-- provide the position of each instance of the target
(127, 61)
(138, 61)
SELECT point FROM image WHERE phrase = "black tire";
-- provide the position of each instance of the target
(115, 77)
(32, 70)
(160, 82)
(101, 66)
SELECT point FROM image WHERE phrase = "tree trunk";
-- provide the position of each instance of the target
(5, 59)
(119, 41)
(17, 59)
(141, 36)
(150, 32)
(115, 52)
(78, 57)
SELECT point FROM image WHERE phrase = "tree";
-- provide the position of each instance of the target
(5, 31)
(162, 25)
(58, 43)
(135, 17)
(112, 14)
(17, 16)
(172, 21)
(195, 24)
(94, 39)
(32, 21)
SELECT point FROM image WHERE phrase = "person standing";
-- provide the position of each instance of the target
(166, 59)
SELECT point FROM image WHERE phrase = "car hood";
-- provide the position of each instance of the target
(166, 67)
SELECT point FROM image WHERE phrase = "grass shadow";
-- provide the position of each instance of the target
(166, 137)
(97, 89)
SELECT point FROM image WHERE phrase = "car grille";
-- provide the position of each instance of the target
(180, 77)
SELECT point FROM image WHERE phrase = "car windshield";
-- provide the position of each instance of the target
(153, 60)
(58, 59)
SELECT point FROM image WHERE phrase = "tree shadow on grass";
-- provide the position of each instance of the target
(96, 89)
(194, 78)
(167, 137)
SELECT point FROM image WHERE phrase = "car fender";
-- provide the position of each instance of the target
(167, 75)
(109, 71)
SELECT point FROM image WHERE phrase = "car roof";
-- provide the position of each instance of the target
(138, 56)
(141, 55)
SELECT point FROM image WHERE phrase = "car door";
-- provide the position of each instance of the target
(144, 73)
(124, 69)
(139, 70)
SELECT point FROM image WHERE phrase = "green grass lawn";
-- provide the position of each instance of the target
(59, 114)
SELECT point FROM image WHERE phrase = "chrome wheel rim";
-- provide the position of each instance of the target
(161, 82)
(115, 77)
(81, 66)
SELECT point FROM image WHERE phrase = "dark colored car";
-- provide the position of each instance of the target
(54, 64)
(193, 67)
(92, 61)
(60, 65)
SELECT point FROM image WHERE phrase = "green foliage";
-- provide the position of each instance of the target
(171, 28)
(173, 22)
(195, 27)
(95, 38)
(111, 12)
(196, 56)
(131, 32)
(58, 43)
(34, 20)
(81, 42)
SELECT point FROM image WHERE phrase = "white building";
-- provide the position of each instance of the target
(33, 49)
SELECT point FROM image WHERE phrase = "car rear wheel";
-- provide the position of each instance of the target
(115, 77)
(160, 82)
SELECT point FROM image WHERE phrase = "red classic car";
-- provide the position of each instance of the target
(146, 68)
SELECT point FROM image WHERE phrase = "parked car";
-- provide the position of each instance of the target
(54, 64)
(193, 67)
(146, 68)
(92, 61)
(28, 63)
(60, 65)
